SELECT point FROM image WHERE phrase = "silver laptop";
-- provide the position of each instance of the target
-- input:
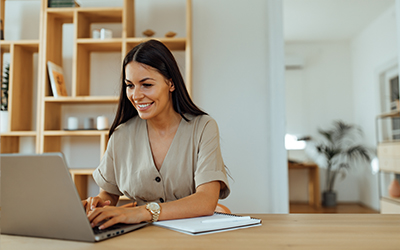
(39, 198)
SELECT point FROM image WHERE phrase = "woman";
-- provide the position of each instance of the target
(163, 151)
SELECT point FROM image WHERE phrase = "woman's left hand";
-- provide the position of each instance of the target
(113, 215)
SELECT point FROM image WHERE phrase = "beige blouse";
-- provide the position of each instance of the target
(194, 158)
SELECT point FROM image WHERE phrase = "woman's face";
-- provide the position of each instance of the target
(149, 92)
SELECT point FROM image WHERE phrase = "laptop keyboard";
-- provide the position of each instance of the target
(96, 229)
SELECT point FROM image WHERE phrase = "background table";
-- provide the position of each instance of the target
(313, 181)
(293, 231)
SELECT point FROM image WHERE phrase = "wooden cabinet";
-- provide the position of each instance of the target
(389, 169)
(22, 101)
(49, 131)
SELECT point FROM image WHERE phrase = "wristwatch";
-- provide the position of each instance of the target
(155, 210)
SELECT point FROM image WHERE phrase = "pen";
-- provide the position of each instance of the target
(230, 219)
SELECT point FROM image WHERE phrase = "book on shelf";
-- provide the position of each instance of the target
(218, 222)
(63, 3)
(57, 81)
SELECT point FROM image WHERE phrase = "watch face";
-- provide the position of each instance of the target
(154, 206)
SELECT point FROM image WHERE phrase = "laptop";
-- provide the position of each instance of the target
(39, 198)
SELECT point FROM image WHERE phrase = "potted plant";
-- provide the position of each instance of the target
(341, 148)
(4, 100)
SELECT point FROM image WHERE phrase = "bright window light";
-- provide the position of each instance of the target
(291, 143)
(375, 165)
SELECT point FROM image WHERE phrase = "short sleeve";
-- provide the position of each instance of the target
(104, 175)
(210, 165)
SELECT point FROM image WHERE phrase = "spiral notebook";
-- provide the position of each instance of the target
(218, 222)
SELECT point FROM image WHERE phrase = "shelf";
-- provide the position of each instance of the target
(106, 45)
(395, 113)
(75, 133)
(387, 141)
(391, 199)
(175, 43)
(389, 171)
(19, 133)
(81, 171)
(30, 45)
(83, 100)
(63, 12)
(101, 14)
(63, 15)
(115, 44)
(5, 47)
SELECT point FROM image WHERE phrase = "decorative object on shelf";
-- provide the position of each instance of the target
(88, 123)
(72, 123)
(395, 105)
(394, 93)
(1, 30)
(342, 148)
(4, 88)
(96, 34)
(105, 34)
(394, 187)
(170, 34)
(4, 99)
(62, 3)
(57, 81)
(148, 33)
(102, 123)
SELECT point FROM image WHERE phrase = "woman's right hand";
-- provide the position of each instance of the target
(92, 202)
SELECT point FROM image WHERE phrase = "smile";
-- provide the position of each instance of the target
(143, 107)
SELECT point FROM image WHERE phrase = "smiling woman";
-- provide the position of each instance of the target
(163, 153)
(149, 92)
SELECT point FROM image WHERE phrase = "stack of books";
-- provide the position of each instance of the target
(63, 3)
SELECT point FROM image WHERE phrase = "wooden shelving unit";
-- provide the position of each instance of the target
(84, 45)
(389, 164)
(49, 114)
(21, 89)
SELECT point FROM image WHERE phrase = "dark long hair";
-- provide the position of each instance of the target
(156, 55)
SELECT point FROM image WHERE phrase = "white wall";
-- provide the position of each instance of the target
(325, 81)
(232, 82)
(237, 79)
(316, 95)
(374, 47)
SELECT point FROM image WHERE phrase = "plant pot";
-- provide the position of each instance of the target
(4, 121)
(329, 199)
(394, 189)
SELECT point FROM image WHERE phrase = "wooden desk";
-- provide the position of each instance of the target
(293, 231)
(314, 195)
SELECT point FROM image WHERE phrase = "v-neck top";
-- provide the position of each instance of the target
(194, 158)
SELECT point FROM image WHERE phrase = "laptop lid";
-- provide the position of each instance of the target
(39, 199)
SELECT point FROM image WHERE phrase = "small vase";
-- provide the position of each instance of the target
(329, 199)
(394, 189)
(4, 121)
